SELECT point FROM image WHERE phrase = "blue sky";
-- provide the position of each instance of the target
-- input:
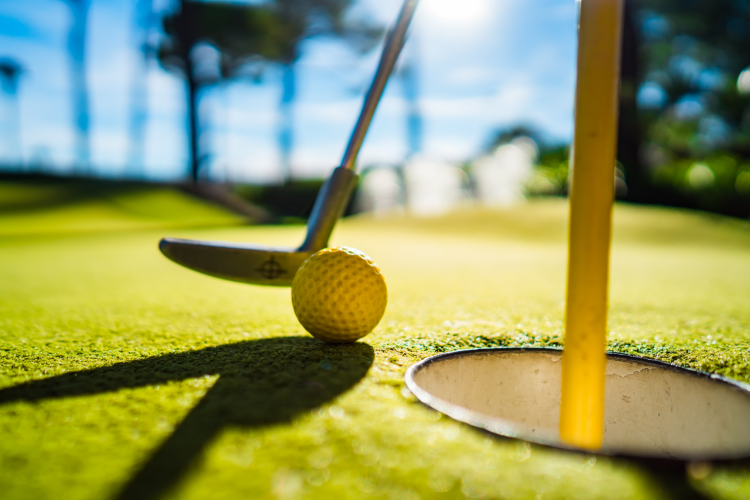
(482, 64)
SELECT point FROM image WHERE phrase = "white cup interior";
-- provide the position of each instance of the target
(651, 409)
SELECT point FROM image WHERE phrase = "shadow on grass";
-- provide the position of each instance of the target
(670, 477)
(261, 382)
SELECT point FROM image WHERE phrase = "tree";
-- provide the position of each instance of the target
(244, 36)
(10, 72)
(77, 51)
(684, 118)
(142, 22)
(410, 83)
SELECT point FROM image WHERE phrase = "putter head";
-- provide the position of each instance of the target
(253, 264)
(259, 264)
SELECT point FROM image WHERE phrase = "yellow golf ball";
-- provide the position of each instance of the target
(339, 294)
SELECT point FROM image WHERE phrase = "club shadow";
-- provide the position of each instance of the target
(261, 382)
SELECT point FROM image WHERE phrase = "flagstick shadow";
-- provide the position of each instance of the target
(260, 383)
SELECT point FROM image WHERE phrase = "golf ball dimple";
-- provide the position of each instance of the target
(339, 294)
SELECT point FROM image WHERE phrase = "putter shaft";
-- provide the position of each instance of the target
(394, 42)
(274, 266)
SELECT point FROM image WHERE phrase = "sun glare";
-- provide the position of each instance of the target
(460, 11)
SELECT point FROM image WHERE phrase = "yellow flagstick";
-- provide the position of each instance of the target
(591, 196)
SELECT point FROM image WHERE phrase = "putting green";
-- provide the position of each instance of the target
(123, 375)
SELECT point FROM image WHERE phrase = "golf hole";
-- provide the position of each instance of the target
(652, 409)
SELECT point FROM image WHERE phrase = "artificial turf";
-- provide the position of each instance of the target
(123, 375)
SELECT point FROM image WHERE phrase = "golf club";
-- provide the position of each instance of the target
(276, 266)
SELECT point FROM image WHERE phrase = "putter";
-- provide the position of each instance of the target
(276, 266)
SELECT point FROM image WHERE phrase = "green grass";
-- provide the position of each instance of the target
(124, 375)
(47, 206)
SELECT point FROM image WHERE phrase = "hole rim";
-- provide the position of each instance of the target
(508, 429)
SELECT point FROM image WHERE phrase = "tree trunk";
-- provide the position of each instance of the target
(628, 129)
(138, 92)
(286, 122)
(410, 82)
(194, 126)
(77, 51)
(10, 71)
